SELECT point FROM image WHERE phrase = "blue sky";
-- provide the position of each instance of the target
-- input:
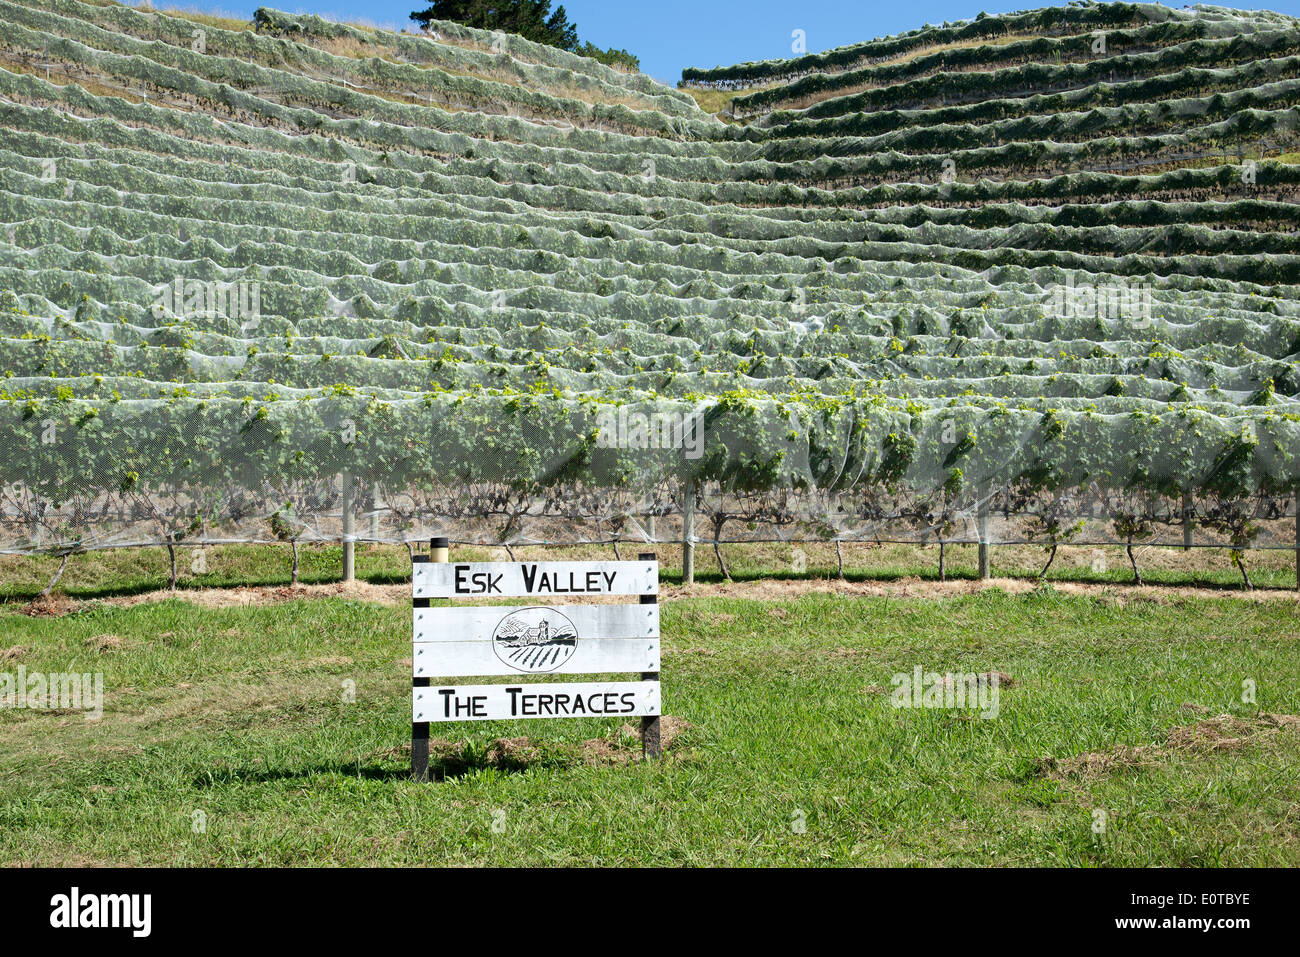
(671, 34)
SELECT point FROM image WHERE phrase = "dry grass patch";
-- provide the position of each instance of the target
(50, 606)
(249, 597)
(624, 745)
(1224, 733)
(219, 19)
(103, 644)
(1111, 593)
(512, 752)
(330, 661)
(718, 101)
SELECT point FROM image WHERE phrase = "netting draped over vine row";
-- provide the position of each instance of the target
(1076, 19)
(309, 281)
(541, 467)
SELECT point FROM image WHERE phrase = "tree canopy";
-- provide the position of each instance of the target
(531, 19)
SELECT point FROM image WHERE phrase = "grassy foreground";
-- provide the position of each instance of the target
(226, 739)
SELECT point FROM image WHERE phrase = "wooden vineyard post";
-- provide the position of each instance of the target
(1187, 523)
(688, 533)
(349, 530)
(438, 548)
(982, 518)
(651, 746)
(1297, 541)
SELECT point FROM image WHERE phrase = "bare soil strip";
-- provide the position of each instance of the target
(765, 590)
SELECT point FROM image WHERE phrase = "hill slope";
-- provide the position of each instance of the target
(1043, 264)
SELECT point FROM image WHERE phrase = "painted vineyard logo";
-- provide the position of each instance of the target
(535, 639)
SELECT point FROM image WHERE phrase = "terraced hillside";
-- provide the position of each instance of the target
(1029, 277)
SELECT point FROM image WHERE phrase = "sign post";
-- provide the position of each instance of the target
(438, 548)
(650, 746)
(532, 639)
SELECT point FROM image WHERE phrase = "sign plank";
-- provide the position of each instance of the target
(446, 659)
(543, 580)
(621, 699)
(489, 622)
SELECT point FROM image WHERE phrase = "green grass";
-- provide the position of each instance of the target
(128, 571)
(239, 713)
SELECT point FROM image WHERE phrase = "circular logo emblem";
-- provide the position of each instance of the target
(535, 639)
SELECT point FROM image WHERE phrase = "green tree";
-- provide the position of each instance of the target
(531, 19)
(610, 57)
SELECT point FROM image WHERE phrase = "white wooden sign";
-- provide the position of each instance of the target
(617, 699)
(543, 580)
(563, 639)
(590, 656)
(519, 641)
(483, 622)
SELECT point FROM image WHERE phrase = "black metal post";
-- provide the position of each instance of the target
(420, 729)
(651, 746)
